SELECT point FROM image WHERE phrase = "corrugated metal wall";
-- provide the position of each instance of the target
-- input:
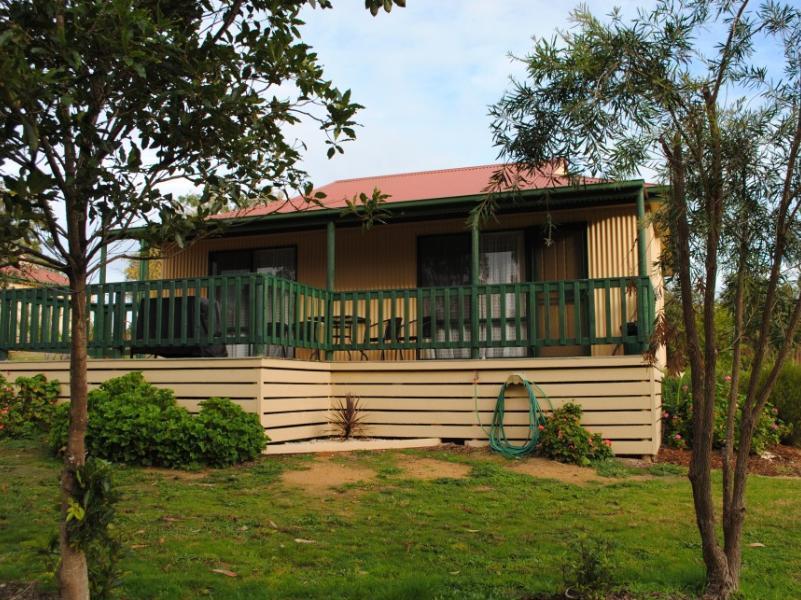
(386, 256)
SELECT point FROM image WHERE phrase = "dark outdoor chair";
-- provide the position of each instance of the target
(281, 331)
(148, 344)
(391, 334)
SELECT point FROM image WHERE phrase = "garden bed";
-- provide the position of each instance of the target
(777, 461)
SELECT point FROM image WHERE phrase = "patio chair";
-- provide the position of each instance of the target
(392, 333)
(145, 342)
(281, 330)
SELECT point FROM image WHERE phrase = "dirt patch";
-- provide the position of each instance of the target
(325, 474)
(431, 468)
(177, 474)
(549, 469)
(778, 461)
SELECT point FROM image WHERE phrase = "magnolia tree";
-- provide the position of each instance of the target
(679, 90)
(102, 102)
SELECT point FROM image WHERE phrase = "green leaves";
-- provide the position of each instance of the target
(134, 422)
(124, 97)
(370, 209)
(38, 182)
(30, 136)
(75, 512)
(374, 6)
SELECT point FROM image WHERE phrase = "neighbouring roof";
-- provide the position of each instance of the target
(33, 275)
(412, 187)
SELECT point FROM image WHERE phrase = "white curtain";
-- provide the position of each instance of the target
(501, 261)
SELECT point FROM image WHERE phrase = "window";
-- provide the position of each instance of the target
(443, 260)
(279, 262)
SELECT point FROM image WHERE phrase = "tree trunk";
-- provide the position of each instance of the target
(719, 582)
(73, 574)
(734, 513)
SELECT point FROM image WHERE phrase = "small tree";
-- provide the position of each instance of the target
(611, 97)
(104, 101)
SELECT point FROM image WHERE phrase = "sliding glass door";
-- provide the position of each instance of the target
(506, 257)
(444, 261)
(279, 262)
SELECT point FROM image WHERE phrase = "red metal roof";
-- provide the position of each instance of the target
(409, 187)
(31, 274)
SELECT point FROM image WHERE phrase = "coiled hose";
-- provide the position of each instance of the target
(497, 433)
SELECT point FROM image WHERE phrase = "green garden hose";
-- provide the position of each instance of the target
(497, 433)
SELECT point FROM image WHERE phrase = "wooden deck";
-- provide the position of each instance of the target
(621, 396)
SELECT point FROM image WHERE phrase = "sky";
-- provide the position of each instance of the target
(426, 75)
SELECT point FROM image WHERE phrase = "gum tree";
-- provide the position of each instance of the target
(678, 90)
(102, 102)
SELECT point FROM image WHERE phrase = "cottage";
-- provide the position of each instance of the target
(293, 306)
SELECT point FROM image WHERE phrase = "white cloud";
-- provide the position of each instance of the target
(426, 75)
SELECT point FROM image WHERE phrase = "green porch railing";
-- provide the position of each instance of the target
(204, 316)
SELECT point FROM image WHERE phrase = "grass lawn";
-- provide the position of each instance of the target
(485, 532)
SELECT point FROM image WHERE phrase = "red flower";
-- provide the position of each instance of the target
(727, 378)
(541, 427)
(608, 443)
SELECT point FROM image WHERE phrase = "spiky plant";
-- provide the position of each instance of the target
(347, 417)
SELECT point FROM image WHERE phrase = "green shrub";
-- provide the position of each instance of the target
(133, 422)
(229, 434)
(27, 407)
(677, 417)
(786, 398)
(588, 569)
(563, 438)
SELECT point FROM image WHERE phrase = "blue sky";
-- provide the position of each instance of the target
(426, 75)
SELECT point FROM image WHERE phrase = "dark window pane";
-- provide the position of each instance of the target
(232, 262)
(279, 262)
(444, 260)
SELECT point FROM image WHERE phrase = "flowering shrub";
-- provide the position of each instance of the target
(786, 397)
(677, 417)
(27, 406)
(563, 438)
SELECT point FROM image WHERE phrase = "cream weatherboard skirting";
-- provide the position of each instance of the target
(621, 395)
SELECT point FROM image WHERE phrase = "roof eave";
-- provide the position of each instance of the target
(595, 194)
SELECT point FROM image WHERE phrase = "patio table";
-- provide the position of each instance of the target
(341, 330)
